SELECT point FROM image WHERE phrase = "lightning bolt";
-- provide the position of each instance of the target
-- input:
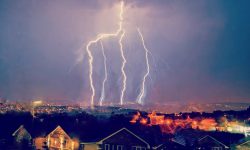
(91, 58)
(124, 61)
(105, 75)
(142, 91)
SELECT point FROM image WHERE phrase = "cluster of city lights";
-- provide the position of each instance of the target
(170, 125)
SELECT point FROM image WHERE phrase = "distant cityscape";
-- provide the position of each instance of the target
(48, 126)
(43, 106)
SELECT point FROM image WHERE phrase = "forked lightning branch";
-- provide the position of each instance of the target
(120, 33)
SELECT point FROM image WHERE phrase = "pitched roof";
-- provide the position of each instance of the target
(190, 136)
(20, 129)
(244, 143)
(59, 128)
(130, 132)
(208, 136)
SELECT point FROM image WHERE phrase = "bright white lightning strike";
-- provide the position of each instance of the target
(105, 75)
(142, 91)
(91, 58)
(124, 61)
(121, 33)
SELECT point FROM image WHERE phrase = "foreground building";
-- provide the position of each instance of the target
(123, 139)
(22, 140)
(199, 140)
(57, 139)
(209, 143)
(22, 135)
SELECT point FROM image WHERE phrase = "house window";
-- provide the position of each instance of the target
(119, 147)
(138, 148)
(106, 147)
(216, 148)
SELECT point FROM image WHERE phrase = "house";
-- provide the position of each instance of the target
(209, 143)
(197, 139)
(122, 139)
(40, 140)
(21, 139)
(59, 139)
(21, 134)
(243, 146)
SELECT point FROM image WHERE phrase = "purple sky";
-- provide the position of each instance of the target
(200, 49)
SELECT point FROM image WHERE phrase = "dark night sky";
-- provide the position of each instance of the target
(200, 49)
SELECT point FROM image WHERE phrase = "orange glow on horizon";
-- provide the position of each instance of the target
(169, 125)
